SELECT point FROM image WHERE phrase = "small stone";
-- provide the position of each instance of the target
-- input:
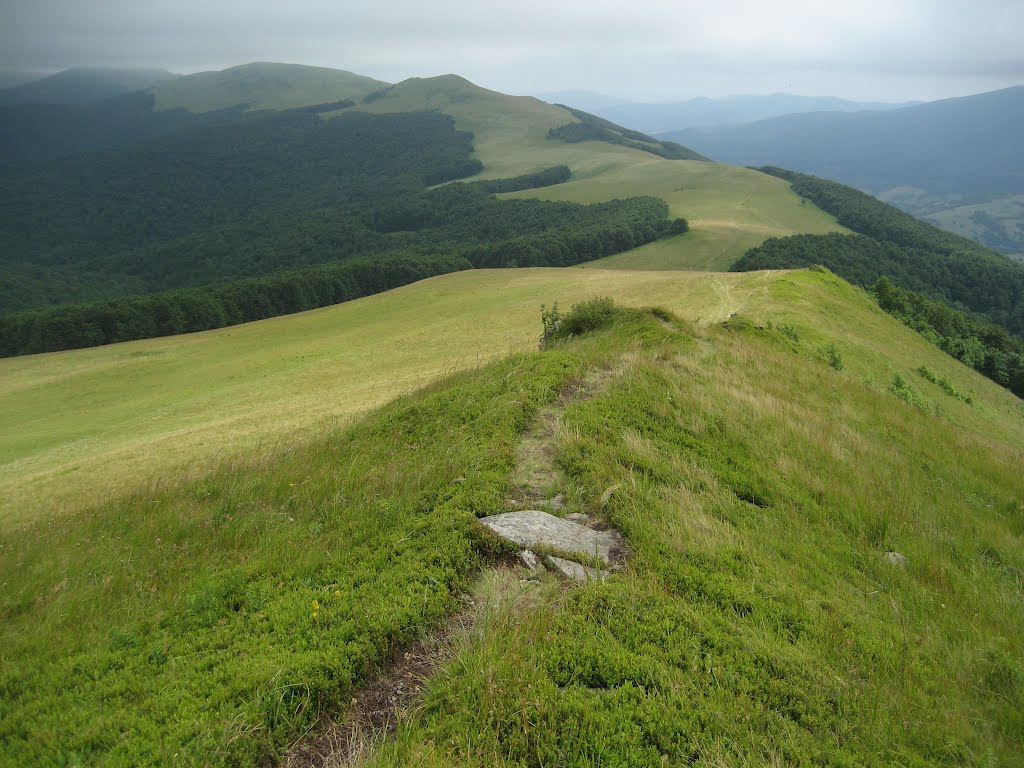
(557, 502)
(574, 570)
(530, 560)
(896, 559)
(578, 517)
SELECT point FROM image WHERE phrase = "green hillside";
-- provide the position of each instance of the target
(233, 195)
(262, 85)
(754, 452)
(255, 545)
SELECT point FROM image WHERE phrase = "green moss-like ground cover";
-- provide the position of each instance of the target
(758, 622)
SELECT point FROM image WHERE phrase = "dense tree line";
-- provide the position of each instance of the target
(547, 177)
(870, 216)
(173, 312)
(977, 285)
(982, 345)
(963, 297)
(593, 128)
(135, 214)
(916, 255)
(447, 229)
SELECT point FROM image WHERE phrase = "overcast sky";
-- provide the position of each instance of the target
(640, 49)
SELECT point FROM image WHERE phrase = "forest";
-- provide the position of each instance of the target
(454, 227)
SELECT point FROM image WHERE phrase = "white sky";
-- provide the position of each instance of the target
(642, 49)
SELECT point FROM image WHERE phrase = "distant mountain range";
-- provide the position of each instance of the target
(928, 158)
(671, 116)
(84, 86)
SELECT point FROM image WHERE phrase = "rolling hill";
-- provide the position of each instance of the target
(256, 169)
(928, 158)
(260, 544)
(262, 85)
(205, 513)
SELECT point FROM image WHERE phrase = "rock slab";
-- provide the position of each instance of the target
(532, 528)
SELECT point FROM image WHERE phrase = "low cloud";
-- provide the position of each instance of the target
(645, 49)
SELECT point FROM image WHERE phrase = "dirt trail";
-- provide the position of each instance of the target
(393, 694)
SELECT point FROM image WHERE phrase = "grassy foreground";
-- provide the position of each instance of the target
(758, 472)
(86, 425)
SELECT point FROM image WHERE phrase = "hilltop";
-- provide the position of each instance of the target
(757, 457)
(262, 85)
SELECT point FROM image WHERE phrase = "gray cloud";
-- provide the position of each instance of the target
(653, 49)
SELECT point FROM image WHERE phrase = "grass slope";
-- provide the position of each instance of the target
(262, 85)
(757, 622)
(729, 209)
(90, 424)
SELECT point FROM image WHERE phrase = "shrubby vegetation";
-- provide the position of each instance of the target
(593, 128)
(975, 342)
(557, 174)
(963, 297)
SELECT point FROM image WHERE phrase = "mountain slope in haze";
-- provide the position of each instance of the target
(660, 118)
(927, 158)
(263, 85)
(9, 78)
(85, 86)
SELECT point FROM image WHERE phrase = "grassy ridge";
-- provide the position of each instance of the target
(758, 622)
(730, 210)
(91, 424)
(211, 623)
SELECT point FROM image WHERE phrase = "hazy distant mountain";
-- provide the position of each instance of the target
(9, 78)
(263, 85)
(588, 101)
(84, 86)
(963, 146)
(926, 158)
(38, 130)
(658, 118)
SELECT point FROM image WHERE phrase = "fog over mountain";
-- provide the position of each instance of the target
(875, 50)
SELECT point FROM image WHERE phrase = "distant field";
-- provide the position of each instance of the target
(998, 224)
(87, 425)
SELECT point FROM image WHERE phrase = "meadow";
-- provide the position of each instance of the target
(758, 460)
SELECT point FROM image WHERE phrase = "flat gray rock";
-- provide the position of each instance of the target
(574, 570)
(532, 528)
